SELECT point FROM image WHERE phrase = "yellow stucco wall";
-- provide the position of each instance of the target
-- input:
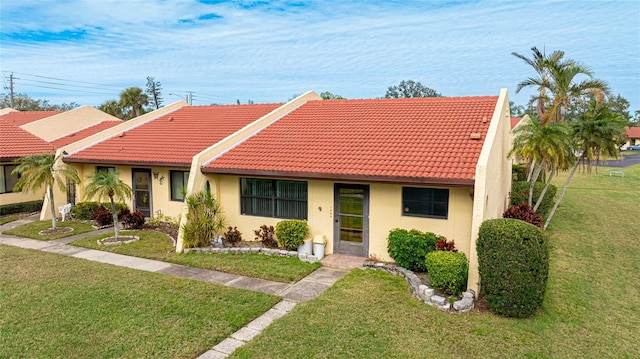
(385, 213)
(160, 187)
(18, 197)
(493, 180)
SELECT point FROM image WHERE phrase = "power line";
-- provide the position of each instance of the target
(59, 79)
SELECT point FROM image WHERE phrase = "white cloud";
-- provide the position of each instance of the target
(269, 52)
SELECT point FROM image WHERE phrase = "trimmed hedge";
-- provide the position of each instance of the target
(519, 172)
(448, 271)
(520, 194)
(409, 248)
(31, 206)
(290, 233)
(84, 210)
(513, 262)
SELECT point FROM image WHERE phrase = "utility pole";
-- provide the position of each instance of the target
(11, 90)
(190, 97)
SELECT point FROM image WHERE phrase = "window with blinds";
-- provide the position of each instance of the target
(273, 198)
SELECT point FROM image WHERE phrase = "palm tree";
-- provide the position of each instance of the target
(204, 219)
(41, 170)
(557, 84)
(108, 184)
(595, 133)
(134, 98)
(112, 107)
(544, 147)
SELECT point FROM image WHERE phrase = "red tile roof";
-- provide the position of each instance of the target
(515, 121)
(16, 142)
(20, 118)
(633, 132)
(415, 140)
(77, 136)
(174, 138)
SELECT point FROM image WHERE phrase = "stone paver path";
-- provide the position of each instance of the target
(306, 289)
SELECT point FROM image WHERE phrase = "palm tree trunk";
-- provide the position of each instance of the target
(532, 165)
(52, 205)
(544, 190)
(115, 217)
(532, 184)
(564, 189)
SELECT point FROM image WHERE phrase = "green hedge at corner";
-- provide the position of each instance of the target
(513, 262)
(520, 194)
(31, 206)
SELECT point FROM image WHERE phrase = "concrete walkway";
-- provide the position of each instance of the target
(306, 289)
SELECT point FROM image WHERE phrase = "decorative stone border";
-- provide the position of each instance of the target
(422, 291)
(257, 250)
(130, 240)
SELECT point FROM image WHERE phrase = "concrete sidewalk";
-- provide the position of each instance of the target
(306, 289)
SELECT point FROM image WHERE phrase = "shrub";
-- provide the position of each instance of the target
(31, 206)
(131, 220)
(290, 233)
(443, 245)
(84, 210)
(520, 194)
(409, 248)
(448, 271)
(266, 234)
(159, 220)
(525, 213)
(513, 264)
(102, 216)
(519, 172)
(232, 235)
(204, 219)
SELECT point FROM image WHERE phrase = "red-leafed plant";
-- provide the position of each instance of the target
(525, 213)
(232, 235)
(444, 245)
(266, 234)
(102, 216)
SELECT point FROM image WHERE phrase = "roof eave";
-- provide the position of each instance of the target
(127, 163)
(448, 182)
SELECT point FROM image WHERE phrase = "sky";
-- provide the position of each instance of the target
(88, 51)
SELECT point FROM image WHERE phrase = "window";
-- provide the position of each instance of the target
(7, 180)
(425, 202)
(273, 198)
(71, 192)
(179, 180)
(106, 169)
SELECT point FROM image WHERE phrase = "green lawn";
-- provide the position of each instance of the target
(55, 306)
(7, 219)
(591, 309)
(31, 230)
(155, 245)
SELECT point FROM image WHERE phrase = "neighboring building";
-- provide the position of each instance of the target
(15, 143)
(633, 137)
(153, 154)
(355, 169)
(54, 127)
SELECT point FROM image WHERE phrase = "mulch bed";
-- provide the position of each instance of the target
(51, 231)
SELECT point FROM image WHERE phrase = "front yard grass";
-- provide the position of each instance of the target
(55, 306)
(591, 307)
(7, 219)
(156, 245)
(31, 230)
